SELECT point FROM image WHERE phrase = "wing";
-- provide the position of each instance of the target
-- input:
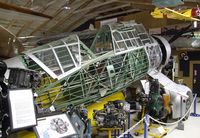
(172, 14)
(183, 14)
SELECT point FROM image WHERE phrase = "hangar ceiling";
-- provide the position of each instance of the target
(31, 20)
(47, 17)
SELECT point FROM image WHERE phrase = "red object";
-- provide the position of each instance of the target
(195, 12)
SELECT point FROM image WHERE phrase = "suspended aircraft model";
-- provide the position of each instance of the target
(179, 14)
(120, 54)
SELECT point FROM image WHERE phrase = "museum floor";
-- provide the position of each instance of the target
(192, 127)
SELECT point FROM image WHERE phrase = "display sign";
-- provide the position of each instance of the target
(22, 111)
(55, 126)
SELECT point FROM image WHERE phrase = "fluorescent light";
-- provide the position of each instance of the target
(67, 8)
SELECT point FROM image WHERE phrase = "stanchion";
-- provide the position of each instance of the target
(129, 123)
(146, 122)
(89, 129)
(130, 129)
(128, 135)
(194, 114)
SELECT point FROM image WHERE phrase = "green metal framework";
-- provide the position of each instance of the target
(74, 74)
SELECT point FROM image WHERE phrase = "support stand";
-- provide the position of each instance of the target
(129, 124)
(128, 135)
(109, 130)
(147, 128)
(146, 122)
(181, 124)
(194, 114)
(89, 129)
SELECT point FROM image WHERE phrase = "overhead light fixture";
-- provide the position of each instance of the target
(67, 8)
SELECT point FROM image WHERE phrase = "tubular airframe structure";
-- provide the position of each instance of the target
(73, 73)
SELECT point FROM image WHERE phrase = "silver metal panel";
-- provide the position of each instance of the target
(169, 85)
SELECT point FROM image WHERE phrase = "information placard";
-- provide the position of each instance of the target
(55, 126)
(22, 111)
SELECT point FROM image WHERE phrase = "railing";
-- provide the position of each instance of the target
(145, 121)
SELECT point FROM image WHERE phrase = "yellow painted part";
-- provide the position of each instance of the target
(26, 134)
(166, 102)
(172, 14)
(157, 13)
(52, 92)
(100, 104)
(154, 135)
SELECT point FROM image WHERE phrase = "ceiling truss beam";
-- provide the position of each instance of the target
(22, 10)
